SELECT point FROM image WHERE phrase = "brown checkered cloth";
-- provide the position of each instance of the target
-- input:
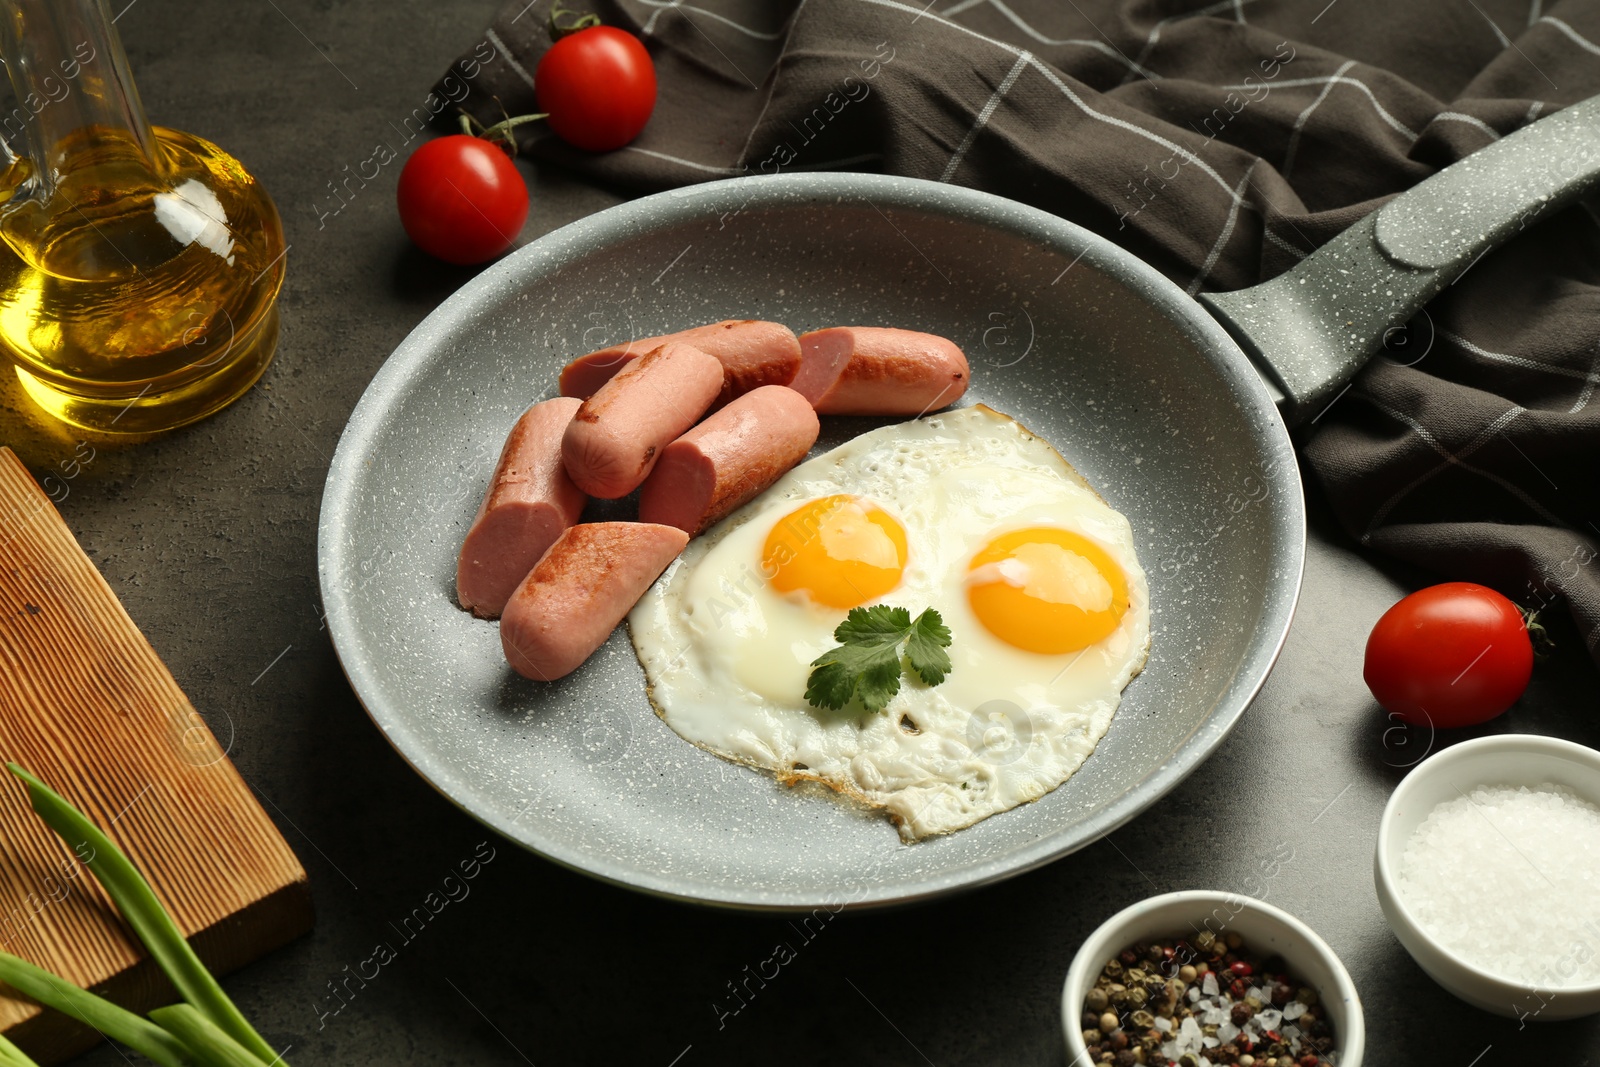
(1474, 453)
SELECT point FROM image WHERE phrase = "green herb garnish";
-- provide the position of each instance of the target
(144, 912)
(112, 1020)
(867, 665)
(211, 1045)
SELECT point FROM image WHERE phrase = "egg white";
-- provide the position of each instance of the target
(727, 657)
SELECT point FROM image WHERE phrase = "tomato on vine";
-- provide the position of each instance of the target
(1450, 655)
(461, 199)
(597, 87)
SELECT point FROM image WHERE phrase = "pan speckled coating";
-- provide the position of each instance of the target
(1141, 390)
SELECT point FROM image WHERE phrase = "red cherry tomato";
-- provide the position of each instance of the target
(461, 199)
(1450, 655)
(598, 86)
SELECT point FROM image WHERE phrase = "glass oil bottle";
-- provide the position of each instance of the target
(139, 266)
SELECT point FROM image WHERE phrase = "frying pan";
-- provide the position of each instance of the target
(1174, 409)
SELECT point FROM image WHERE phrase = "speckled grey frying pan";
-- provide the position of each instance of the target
(1138, 385)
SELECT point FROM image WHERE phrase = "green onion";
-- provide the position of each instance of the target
(143, 911)
(12, 1056)
(115, 1022)
(209, 1044)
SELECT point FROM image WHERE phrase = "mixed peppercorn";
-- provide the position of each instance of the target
(1190, 1002)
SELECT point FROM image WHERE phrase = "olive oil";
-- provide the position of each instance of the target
(139, 266)
(131, 306)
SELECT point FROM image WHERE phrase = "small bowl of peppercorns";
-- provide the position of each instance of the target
(1206, 979)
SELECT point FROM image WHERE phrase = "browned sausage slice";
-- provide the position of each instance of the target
(530, 502)
(574, 597)
(729, 458)
(753, 352)
(871, 370)
(617, 434)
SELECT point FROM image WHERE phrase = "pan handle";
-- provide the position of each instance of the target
(1311, 329)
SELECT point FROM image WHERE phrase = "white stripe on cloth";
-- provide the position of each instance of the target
(1044, 68)
(772, 86)
(1139, 130)
(709, 169)
(1451, 459)
(1299, 123)
(1155, 31)
(1227, 232)
(1588, 387)
(1099, 46)
(1334, 79)
(1588, 379)
(494, 39)
(691, 164)
(984, 115)
(1285, 245)
(650, 24)
(1470, 120)
(662, 5)
(1013, 49)
(1577, 38)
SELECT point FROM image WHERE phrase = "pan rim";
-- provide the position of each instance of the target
(631, 218)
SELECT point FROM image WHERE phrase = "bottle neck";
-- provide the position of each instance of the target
(73, 103)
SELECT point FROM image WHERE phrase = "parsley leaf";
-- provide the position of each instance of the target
(925, 647)
(866, 665)
(879, 626)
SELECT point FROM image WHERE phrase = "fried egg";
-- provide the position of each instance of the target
(965, 512)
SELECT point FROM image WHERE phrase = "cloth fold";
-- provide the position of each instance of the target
(1221, 142)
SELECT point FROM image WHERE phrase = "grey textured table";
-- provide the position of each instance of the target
(209, 536)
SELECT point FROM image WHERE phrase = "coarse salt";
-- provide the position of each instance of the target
(1188, 1035)
(1209, 985)
(1508, 878)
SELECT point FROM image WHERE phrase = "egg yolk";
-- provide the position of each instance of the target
(1046, 590)
(841, 550)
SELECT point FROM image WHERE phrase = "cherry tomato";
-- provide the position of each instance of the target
(461, 199)
(598, 86)
(1450, 655)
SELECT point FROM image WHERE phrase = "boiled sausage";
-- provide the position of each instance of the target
(617, 434)
(577, 593)
(728, 458)
(870, 370)
(753, 353)
(530, 502)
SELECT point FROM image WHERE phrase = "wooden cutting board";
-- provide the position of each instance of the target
(88, 706)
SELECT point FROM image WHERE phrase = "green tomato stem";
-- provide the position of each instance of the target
(575, 21)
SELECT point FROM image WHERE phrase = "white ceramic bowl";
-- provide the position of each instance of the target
(1508, 759)
(1265, 929)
